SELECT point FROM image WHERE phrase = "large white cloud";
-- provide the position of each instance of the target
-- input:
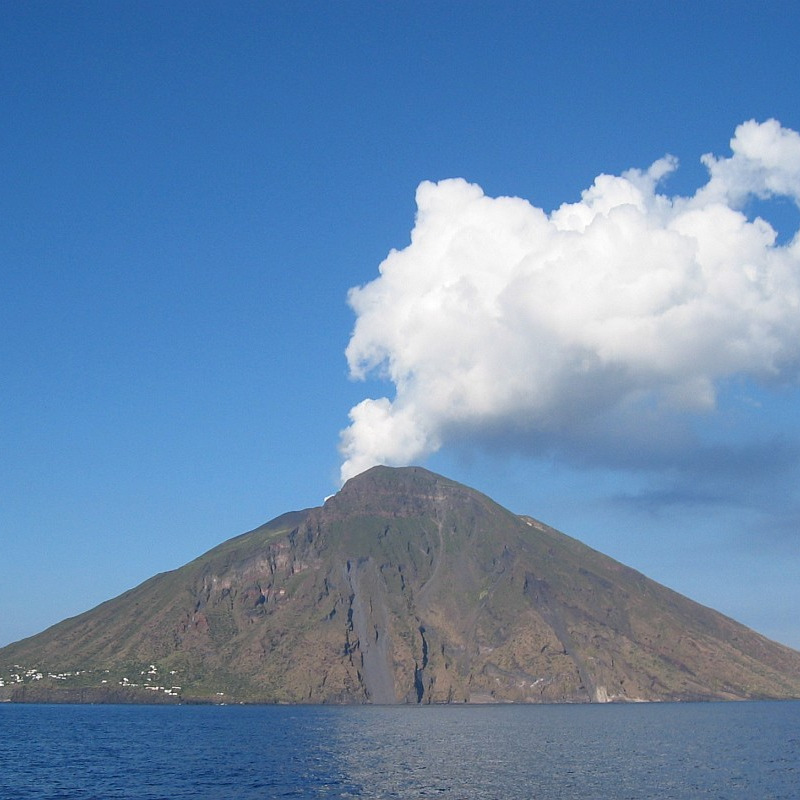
(616, 312)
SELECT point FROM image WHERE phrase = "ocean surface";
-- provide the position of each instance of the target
(608, 752)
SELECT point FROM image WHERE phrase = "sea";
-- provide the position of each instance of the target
(549, 752)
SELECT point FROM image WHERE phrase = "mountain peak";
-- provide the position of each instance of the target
(381, 481)
(384, 490)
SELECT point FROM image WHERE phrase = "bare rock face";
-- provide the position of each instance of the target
(405, 587)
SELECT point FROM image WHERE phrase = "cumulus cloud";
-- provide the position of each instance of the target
(619, 313)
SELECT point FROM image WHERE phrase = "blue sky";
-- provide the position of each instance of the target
(190, 191)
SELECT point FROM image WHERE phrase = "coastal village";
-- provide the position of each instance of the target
(148, 678)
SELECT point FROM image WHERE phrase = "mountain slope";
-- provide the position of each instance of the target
(403, 587)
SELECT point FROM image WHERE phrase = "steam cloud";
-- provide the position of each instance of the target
(621, 312)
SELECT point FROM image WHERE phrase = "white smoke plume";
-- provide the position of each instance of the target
(618, 312)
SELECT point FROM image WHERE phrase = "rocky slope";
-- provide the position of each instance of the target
(404, 587)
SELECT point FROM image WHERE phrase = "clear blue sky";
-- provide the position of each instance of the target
(190, 190)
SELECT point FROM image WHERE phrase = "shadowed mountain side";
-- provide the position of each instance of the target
(404, 587)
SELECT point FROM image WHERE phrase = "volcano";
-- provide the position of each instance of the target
(405, 587)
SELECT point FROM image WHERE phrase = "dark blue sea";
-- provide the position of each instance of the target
(608, 752)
